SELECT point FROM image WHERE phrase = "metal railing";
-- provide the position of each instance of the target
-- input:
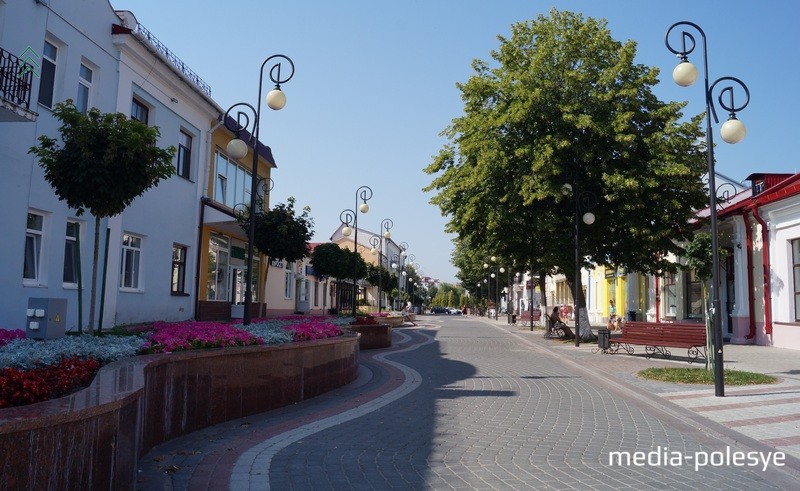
(16, 79)
(177, 62)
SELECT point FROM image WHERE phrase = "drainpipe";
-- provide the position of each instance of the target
(765, 255)
(198, 255)
(751, 301)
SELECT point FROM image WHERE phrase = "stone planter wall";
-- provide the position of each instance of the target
(374, 336)
(92, 439)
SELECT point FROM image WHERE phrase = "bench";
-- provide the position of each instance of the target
(557, 329)
(657, 337)
(525, 316)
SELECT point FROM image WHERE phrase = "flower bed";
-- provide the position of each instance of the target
(33, 363)
(139, 402)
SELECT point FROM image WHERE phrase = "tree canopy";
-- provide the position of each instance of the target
(279, 232)
(562, 102)
(104, 162)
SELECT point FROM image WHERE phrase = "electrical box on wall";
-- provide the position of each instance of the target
(46, 318)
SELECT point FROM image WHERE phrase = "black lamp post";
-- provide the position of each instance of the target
(732, 131)
(377, 248)
(364, 193)
(584, 200)
(237, 150)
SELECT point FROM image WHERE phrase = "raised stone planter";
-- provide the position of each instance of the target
(394, 321)
(93, 438)
(374, 336)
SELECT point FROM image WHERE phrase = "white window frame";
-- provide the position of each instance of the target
(795, 247)
(139, 102)
(184, 154)
(54, 61)
(288, 284)
(134, 250)
(218, 268)
(36, 236)
(84, 84)
(71, 242)
(232, 184)
(179, 266)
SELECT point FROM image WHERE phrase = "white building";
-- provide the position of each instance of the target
(86, 52)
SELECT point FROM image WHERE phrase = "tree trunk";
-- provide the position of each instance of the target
(581, 314)
(262, 306)
(93, 294)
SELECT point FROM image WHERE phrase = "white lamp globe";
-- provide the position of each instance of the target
(502, 269)
(404, 273)
(276, 99)
(494, 258)
(347, 231)
(485, 265)
(387, 235)
(236, 149)
(394, 265)
(566, 189)
(684, 74)
(374, 251)
(363, 208)
(733, 131)
(588, 218)
(492, 275)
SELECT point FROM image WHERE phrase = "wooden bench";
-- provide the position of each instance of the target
(525, 316)
(657, 337)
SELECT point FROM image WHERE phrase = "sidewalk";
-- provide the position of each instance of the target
(767, 414)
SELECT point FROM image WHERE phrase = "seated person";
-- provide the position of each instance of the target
(557, 323)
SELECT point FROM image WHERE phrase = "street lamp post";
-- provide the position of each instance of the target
(732, 131)
(377, 247)
(237, 150)
(584, 200)
(364, 193)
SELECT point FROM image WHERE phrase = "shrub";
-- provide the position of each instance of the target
(180, 336)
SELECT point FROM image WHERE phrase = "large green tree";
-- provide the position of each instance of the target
(103, 163)
(562, 102)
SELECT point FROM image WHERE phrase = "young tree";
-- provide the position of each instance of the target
(279, 233)
(103, 163)
(329, 260)
(562, 102)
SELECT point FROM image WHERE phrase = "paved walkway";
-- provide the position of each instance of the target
(468, 403)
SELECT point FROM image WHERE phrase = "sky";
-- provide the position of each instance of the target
(375, 84)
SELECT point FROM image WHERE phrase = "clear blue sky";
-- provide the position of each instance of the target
(375, 85)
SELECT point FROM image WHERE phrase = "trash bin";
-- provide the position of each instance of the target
(603, 339)
(632, 315)
(513, 318)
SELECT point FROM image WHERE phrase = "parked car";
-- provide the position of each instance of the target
(439, 310)
(453, 310)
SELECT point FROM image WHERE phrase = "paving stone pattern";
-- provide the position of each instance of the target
(462, 403)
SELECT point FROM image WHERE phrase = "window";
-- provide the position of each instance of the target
(47, 80)
(33, 248)
(671, 294)
(288, 285)
(233, 182)
(131, 260)
(139, 111)
(184, 154)
(71, 252)
(796, 271)
(84, 89)
(695, 296)
(217, 273)
(178, 270)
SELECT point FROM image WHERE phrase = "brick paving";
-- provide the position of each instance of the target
(467, 403)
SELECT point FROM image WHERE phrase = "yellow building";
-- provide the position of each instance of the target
(223, 243)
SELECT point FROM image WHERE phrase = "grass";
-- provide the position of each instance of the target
(705, 377)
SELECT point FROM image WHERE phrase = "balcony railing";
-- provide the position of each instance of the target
(16, 79)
